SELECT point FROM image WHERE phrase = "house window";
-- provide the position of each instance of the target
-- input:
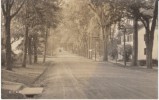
(144, 51)
(128, 39)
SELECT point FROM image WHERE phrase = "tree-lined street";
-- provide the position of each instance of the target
(88, 49)
(70, 77)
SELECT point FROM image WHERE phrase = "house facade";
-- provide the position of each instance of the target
(141, 42)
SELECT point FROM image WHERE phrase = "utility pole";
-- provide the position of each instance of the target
(52, 44)
(89, 54)
(95, 50)
(96, 39)
(124, 48)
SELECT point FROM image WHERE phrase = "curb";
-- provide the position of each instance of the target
(118, 64)
(136, 68)
(38, 77)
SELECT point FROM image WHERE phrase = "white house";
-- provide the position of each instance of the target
(141, 42)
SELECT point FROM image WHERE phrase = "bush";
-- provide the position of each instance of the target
(128, 51)
(143, 62)
(155, 62)
(112, 48)
(113, 53)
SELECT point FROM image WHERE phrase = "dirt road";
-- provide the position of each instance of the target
(74, 77)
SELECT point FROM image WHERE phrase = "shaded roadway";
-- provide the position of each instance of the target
(72, 77)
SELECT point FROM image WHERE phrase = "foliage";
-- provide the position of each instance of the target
(39, 14)
(113, 49)
(76, 23)
(128, 51)
(10, 9)
(107, 11)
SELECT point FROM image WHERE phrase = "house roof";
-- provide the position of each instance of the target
(129, 29)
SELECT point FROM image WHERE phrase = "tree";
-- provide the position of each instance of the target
(147, 20)
(45, 44)
(108, 12)
(48, 16)
(31, 20)
(133, 10)
(37, 16)
(30, 49)
(35, 48)
(25, 20)
(7, 9)
(138, 10)
(76, 22)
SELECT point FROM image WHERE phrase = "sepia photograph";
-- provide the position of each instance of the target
(79, 49)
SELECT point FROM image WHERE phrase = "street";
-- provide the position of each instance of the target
(79, 49)
(72, 77)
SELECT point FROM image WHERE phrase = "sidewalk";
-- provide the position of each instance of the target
(128, 65)
(19, 78)
(23, 75)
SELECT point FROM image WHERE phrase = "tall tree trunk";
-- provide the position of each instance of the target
(149, 57)
(35, 48)
(87, 47)
(7, 9)
(8, 44)
(25, 46)
(149, 36)
(46, 37)
(30, 49)
(105, 58)
(135, 43)
(148, 47)
(148, 43)
(105, 51)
